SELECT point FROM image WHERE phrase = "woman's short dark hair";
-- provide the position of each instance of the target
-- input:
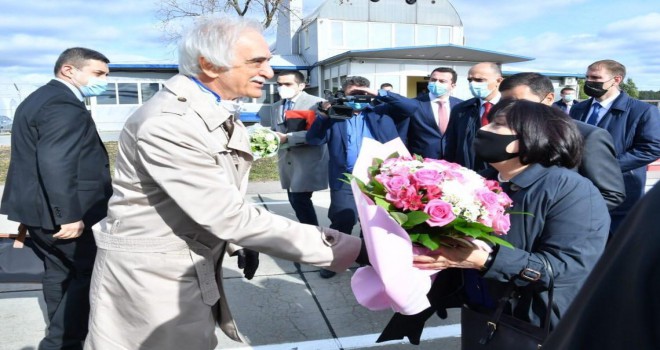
(546, 135)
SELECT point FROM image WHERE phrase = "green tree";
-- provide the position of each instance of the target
(582, 96)
(630, 88)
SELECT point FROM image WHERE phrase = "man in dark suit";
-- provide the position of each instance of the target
(344, 140)
(633, 124)
(430, 112)
(599, 157)
(618, 307)
(58, 185)
(567, 100)
(467, 117)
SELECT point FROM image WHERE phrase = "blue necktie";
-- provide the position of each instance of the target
(593, 118)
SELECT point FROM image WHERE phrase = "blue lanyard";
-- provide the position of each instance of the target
(217, 97)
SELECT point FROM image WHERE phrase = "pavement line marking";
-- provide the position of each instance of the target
(266, 203)
(359, 341)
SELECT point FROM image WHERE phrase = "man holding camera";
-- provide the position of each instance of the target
(343, 133)
(303, 168)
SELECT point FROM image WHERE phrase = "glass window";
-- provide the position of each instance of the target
(380, 35)
(337, 34)
(109, 96)
(427, 35)
(445, 36)
(404, 35)
(356, 32)
(128, 93)
(148, 90)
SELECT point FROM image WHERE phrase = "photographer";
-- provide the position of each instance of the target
(342, 126)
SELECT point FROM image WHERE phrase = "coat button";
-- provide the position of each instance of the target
(182, 99)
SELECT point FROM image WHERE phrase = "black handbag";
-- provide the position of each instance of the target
(19, 263)
(495, 331)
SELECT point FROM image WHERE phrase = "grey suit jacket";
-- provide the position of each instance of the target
(302, 167)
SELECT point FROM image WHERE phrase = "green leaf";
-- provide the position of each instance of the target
(496, 240)
(415, 218)
(469, 230)
(381, 202)
(401, 218)
(378, 187)
(424, 239)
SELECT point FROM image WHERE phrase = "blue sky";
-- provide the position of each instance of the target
(563, 35)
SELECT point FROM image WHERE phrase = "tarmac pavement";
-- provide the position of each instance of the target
(285, 306)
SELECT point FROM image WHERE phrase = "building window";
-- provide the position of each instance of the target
(427, 35)
(380, 35)
(444, 36)
(306, 38)
(148, 90)
(128, 93)
(337, 34)
(404, 35)
(356, 33)
(109, 96)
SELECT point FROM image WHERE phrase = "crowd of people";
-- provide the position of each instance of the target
(149, 274)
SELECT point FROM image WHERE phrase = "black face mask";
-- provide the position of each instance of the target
(595, 88)
(491, 147)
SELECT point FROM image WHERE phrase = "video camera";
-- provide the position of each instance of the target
(338, 110)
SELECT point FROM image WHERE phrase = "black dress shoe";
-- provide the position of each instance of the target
(326, 273)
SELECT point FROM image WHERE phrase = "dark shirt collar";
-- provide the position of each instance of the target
(529, 176)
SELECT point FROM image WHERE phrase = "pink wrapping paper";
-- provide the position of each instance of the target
(391, 281)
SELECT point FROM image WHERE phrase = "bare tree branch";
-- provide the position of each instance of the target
(171, 13)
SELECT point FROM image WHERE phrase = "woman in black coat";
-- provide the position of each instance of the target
(532, 148)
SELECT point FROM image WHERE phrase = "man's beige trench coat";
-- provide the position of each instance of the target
(177, 204)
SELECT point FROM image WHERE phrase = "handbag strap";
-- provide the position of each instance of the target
(492, 325)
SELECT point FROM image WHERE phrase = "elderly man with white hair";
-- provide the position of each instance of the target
(178, 205)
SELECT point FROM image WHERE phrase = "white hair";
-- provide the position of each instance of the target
(213, 38)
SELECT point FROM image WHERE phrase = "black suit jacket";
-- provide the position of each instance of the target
(599, 164)
(59, 171)
(464, 122)
(423, 136)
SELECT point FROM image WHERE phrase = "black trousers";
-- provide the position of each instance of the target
(68, 271)
(343, 212)
(302, 205)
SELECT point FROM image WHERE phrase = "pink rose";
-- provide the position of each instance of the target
(395, 183)
(454, 174)
(440, 213)
(501, 224)
(427, 177)
(505, 200)
(493, 186)
(488, 198)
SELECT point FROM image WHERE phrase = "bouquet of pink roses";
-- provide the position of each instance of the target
(408, 205)
(432, 199)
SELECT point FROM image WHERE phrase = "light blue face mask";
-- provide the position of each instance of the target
(569, 97)
(479, 90)
(94, 87)
(357, 106)
(437, 89)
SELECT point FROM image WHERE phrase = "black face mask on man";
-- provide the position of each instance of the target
(491, 147)
(595, 88)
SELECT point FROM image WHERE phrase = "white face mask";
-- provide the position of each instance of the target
(286, 92)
